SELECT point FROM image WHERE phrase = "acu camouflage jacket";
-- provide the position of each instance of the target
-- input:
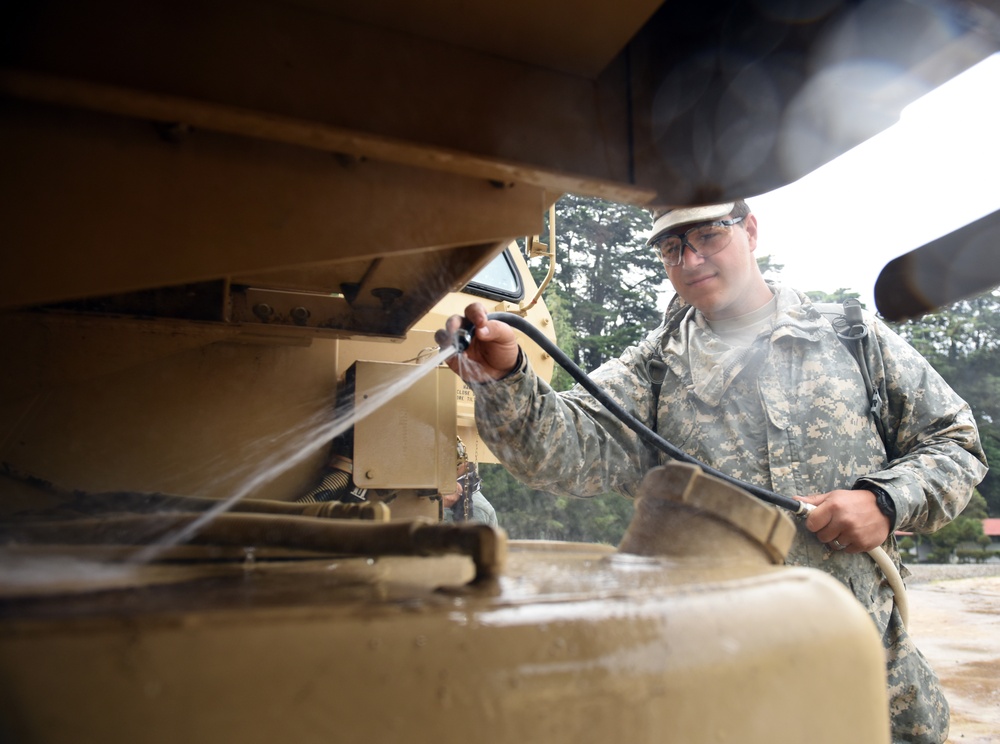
(788, 413)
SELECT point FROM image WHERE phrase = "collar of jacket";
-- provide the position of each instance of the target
(692, 351)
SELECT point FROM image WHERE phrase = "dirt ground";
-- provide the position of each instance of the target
(955, 621)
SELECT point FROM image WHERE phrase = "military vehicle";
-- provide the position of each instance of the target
(230, 228)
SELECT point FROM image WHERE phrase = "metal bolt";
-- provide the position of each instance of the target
(387, 295)
(263, 311)
(300, 315)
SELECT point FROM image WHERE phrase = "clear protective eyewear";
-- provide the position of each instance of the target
(704, 240)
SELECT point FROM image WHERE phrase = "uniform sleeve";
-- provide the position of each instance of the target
(483, 511)
(568, 443)
(935, 455)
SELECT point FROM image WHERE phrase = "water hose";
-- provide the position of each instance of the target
(462, 338)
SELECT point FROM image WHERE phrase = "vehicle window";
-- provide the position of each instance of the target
(498, 280)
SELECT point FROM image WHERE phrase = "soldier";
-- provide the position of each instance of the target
(468, 484)
(758, 385)
(467, 503)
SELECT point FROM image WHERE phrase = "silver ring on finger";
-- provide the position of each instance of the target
(837, 546)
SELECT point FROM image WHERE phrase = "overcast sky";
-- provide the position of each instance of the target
(935, 171)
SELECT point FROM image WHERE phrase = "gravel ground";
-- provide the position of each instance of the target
(925, 572)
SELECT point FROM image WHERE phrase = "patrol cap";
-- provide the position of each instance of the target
(664, 219)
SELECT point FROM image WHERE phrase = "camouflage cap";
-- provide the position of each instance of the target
(668, 217)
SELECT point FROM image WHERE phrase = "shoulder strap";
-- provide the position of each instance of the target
(849, 324)
(656, 368)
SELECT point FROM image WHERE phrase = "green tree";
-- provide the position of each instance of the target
(559, 308)
(954, 334)
(608, 273)
(769, 269)
(527, 514)
(603, 298)
(977, 508)
(962, 342)
(961, 530)
(837, 296)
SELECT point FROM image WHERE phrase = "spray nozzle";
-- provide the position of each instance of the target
(462, 337)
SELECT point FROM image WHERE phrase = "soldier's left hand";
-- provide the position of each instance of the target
(847, 520)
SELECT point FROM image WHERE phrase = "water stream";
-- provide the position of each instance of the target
(38, 574)
(311, 436)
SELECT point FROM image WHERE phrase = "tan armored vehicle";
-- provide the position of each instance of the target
(229, 230)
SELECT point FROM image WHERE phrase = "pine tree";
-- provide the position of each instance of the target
(606, 296)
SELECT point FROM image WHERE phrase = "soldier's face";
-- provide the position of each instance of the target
(726, 284)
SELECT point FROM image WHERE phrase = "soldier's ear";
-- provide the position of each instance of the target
(750, 225)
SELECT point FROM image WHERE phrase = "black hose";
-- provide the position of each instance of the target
(646, 434)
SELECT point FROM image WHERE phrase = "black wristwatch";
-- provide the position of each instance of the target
(883, 501)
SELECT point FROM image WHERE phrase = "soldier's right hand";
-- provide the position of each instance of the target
(493, 352)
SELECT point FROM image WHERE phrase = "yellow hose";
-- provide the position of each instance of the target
(895, 581)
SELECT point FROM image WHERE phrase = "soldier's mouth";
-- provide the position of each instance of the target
(699, 280)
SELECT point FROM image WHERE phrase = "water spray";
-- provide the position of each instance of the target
(312, 436)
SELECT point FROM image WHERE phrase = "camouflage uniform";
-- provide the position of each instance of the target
(482, 511)
(789, 413)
